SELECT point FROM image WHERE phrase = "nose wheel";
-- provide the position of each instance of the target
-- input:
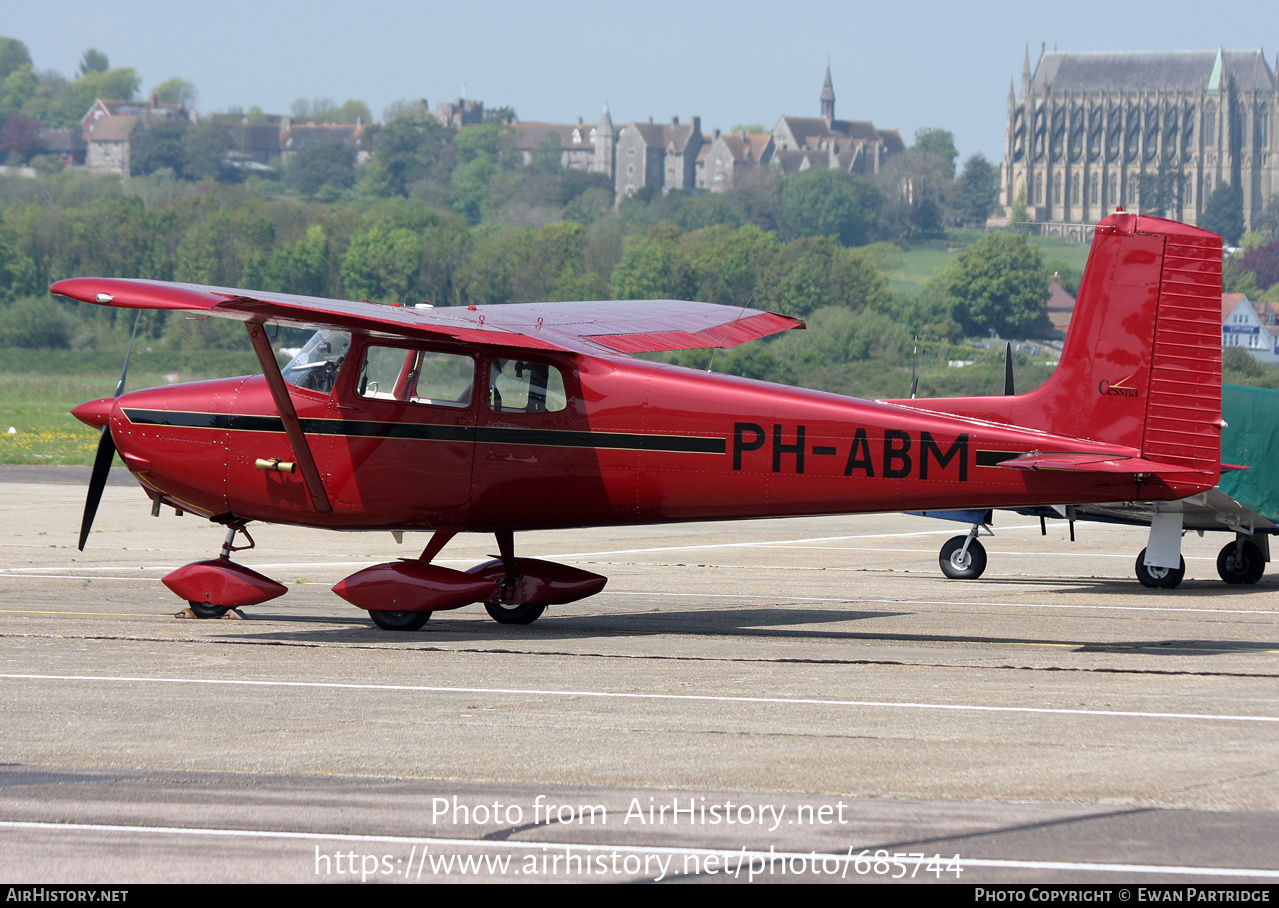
(207, 610)
(400, 621)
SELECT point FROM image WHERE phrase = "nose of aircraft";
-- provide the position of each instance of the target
(96, 412)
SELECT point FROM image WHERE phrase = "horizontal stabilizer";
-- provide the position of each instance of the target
(1082, 462)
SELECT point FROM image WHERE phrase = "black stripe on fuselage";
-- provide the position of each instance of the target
(500, 435)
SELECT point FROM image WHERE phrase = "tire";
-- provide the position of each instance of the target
(958, 565)
(513, 613)
(1157, 578)
(1236, 567)
(399, 621)
(205, 610)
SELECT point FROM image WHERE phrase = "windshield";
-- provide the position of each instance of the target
(317, 363)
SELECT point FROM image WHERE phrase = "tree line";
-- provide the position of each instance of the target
(404, 249)
(420, 211)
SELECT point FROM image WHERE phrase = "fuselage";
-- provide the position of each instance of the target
(615, 441)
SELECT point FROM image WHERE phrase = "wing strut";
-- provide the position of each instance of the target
(289, 416)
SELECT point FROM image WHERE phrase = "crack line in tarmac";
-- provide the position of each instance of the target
(779, 660)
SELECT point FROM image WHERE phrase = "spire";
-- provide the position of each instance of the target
(1025, 71)
(828, 99)
(1218, 70)
(606, 122)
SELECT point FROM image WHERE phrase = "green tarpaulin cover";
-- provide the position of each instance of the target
(1251, 438)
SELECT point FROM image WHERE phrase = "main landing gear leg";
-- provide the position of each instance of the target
(505, 607)
(1160, 565)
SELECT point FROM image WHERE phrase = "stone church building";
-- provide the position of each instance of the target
(1149, 130)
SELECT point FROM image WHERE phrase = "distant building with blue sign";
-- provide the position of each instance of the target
(1253, 327)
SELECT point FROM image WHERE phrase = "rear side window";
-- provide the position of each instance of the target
(517, 386)
(416, 376)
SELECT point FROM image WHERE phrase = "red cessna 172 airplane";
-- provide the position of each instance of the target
(500, 419)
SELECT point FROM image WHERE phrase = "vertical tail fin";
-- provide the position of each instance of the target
(1142, 362)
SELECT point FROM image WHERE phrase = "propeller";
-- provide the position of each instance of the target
(106, 451)
(1008, 369)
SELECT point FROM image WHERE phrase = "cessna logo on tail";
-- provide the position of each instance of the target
(1117, 389)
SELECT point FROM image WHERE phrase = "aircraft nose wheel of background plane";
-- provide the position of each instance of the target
(1159, 578)
(1240, 563)
(958, 564)
(399, 621)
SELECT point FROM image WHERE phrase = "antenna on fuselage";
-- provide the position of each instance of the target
(914, 361)
(124, 373)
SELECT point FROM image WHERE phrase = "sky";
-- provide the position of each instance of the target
(905, 65)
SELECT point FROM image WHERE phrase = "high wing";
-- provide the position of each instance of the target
(600, 327)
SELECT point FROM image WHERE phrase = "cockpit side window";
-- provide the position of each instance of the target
(517, 386)
(316, 365)
(416, 376)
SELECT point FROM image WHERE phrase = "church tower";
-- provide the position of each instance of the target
(828, 99)
(605, 142)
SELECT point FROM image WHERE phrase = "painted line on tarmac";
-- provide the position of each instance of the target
(31, 611)
(989, 551)
(741, 858)
(618, 695)
(774, 543)
(709, 545)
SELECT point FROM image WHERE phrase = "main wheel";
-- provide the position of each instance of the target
(513, 612)
(960, 565)
(205, 610)
(399, 621)
(1238, 564)
(1159, 578)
